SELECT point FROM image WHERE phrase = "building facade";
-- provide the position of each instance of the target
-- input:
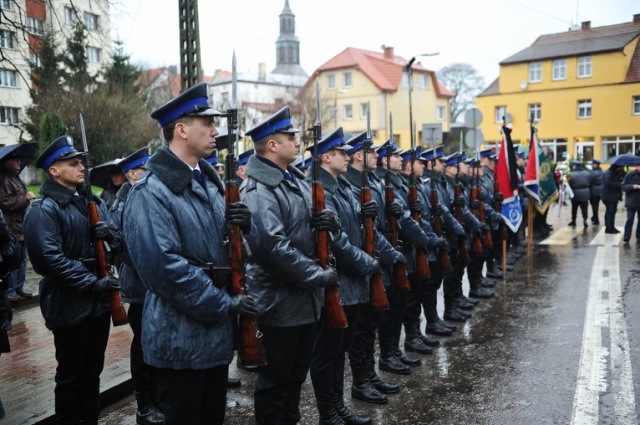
(582, 88)
(20, 32)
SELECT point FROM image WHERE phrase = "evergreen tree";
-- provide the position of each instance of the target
(51, 127)
(121, 75)
(77, 75)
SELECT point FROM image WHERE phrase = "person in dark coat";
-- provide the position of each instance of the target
(631, 188)
(116, 180)
(174, 224)
(579, 183)
(595, 190)
(610, 195)
(73, 299)
(287, 282)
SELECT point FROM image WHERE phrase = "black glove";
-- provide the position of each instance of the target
(416, 206)
(393, 209)
(401, 258)
(459, 202)
(474, 205)
(375, 269)
(499, 197)
(325, 220)
(442, 243)
(243, 305)
(5, 235)
(238, 213)
(328, 278)
(437, 209)
(107, 283)
(370, 209)
(101, 231)
(482, 196)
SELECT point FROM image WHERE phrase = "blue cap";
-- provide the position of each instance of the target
(463, 155)
(136, 159)
(193, 102)
(280, 122)
(486, 152)
(521, 155)
(576, 164)
(493, 157)
(308, 159)
(244, 156)
(213, 159)
(388, 147)
(406, 155)
(452, 159)
(333, 140)
(61, 148)
(428, 154)
(356, 143)
(472, 163)
(594, 161)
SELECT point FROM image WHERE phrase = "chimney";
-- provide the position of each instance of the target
(586, 25)
(262, 71)
(388, 52)
(636, 18)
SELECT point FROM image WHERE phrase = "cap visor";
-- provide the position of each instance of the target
(205, 113)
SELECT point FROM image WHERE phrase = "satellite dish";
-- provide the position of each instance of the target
(523, 84)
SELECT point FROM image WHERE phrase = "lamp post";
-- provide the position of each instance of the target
(407, 69)
(335, 107)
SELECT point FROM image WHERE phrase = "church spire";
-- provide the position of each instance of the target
(288, 45)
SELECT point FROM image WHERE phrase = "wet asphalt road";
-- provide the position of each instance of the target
(516, 361)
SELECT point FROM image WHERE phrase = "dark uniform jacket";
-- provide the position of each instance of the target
(595, 182)
(469, 222)
(13, 200)
(172, 226)
(632, 196)
(611, 186)
(284, 271)
(452, 227)
(58, 238)
(579, 183)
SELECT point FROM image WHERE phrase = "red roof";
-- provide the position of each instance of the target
(633, 73)
(384, 70)
(164, 77)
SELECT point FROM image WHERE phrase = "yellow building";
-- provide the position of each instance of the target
(582, 88)
(355, 77)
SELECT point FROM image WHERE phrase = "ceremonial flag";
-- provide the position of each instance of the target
(539, 181)
(508, 182)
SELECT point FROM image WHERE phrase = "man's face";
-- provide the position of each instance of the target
(220, 171)
(201, 136)
(418, 168)
(287, 147)
(395, 163)
(118, 179)
(372, 159)
(464, 168)
(487, 162)
(337, 161)
(450, 170)
(439, 168)
(13, 164)
(68, 172)
(240, 172)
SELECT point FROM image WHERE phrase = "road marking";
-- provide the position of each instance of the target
(563, 236)
(606, 239)
(604, 310)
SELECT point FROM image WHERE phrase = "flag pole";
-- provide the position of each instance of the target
(504, 239)
(531, 200)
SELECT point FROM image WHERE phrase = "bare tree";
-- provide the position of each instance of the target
(465, 83)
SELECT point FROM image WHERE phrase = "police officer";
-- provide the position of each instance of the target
(73, 299)
(287, 281)
(243, 158)
(595, 189)
(579, 182)
(611, 194)
(174, 224)
(133, 292)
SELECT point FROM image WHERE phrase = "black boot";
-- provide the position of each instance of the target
(383, 386)
(389, 362)
(480, 292)
(409, 361)
(349, 416)
(328, 413)
(412, 343)
(465, 303)
(147, 414)
(452, 313)
(153, 393)
(362, 389)
(436, 328)
(429, 342)
(487, 283)
(493, 271)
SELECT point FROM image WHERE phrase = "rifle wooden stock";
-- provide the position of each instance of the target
(377, 295)
(443, 255)
(251, 350)
(476, 244)
(463, 255)
(400, 278)
(486, 233)
(336, 318)
(422, 263)
(118, 313)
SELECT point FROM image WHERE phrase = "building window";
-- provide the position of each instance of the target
(501, 112)
(584, 67)
(8, 78)
(333, 113)
(35, 26)
(348, 112)
(91, 21)
(555, 149)
(7, 40)
(584, 109)
(618, 145)
(535, 111)
(5, 4)
(9, 115)
(93, 54)
(560, 69)
(34, 60)
(363, 110)
(69, 16)
(440, 113)
(347, 79)
(535, 72)
(636, 105)
(422, 79)
(331, 81)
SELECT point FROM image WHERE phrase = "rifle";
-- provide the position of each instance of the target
(336, 317)
(463, 255)
(377, 295)
(399, 270)
(486, 234)
(476, 244)
(422, 264)
(251, 350)
(443, 255)
(118, 313)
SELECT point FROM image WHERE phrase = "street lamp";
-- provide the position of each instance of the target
(408, 70)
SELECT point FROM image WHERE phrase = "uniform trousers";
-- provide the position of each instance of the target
(391, 322)
(430, 297)
(142, 375)
(362, 346)
(610, 214)
(584, 209)
(453, 281)
(329, 348)
(278, 384)
(628, 225)
(413, 308)
(80, 356)
(193, 396)
(595, 204)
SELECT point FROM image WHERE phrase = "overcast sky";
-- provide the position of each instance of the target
(479, 32)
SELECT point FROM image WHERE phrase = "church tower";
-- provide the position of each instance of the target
(288, 46)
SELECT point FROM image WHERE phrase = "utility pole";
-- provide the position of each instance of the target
(190, 69)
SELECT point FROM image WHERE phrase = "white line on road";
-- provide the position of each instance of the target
(563, 236)
(603, 238)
